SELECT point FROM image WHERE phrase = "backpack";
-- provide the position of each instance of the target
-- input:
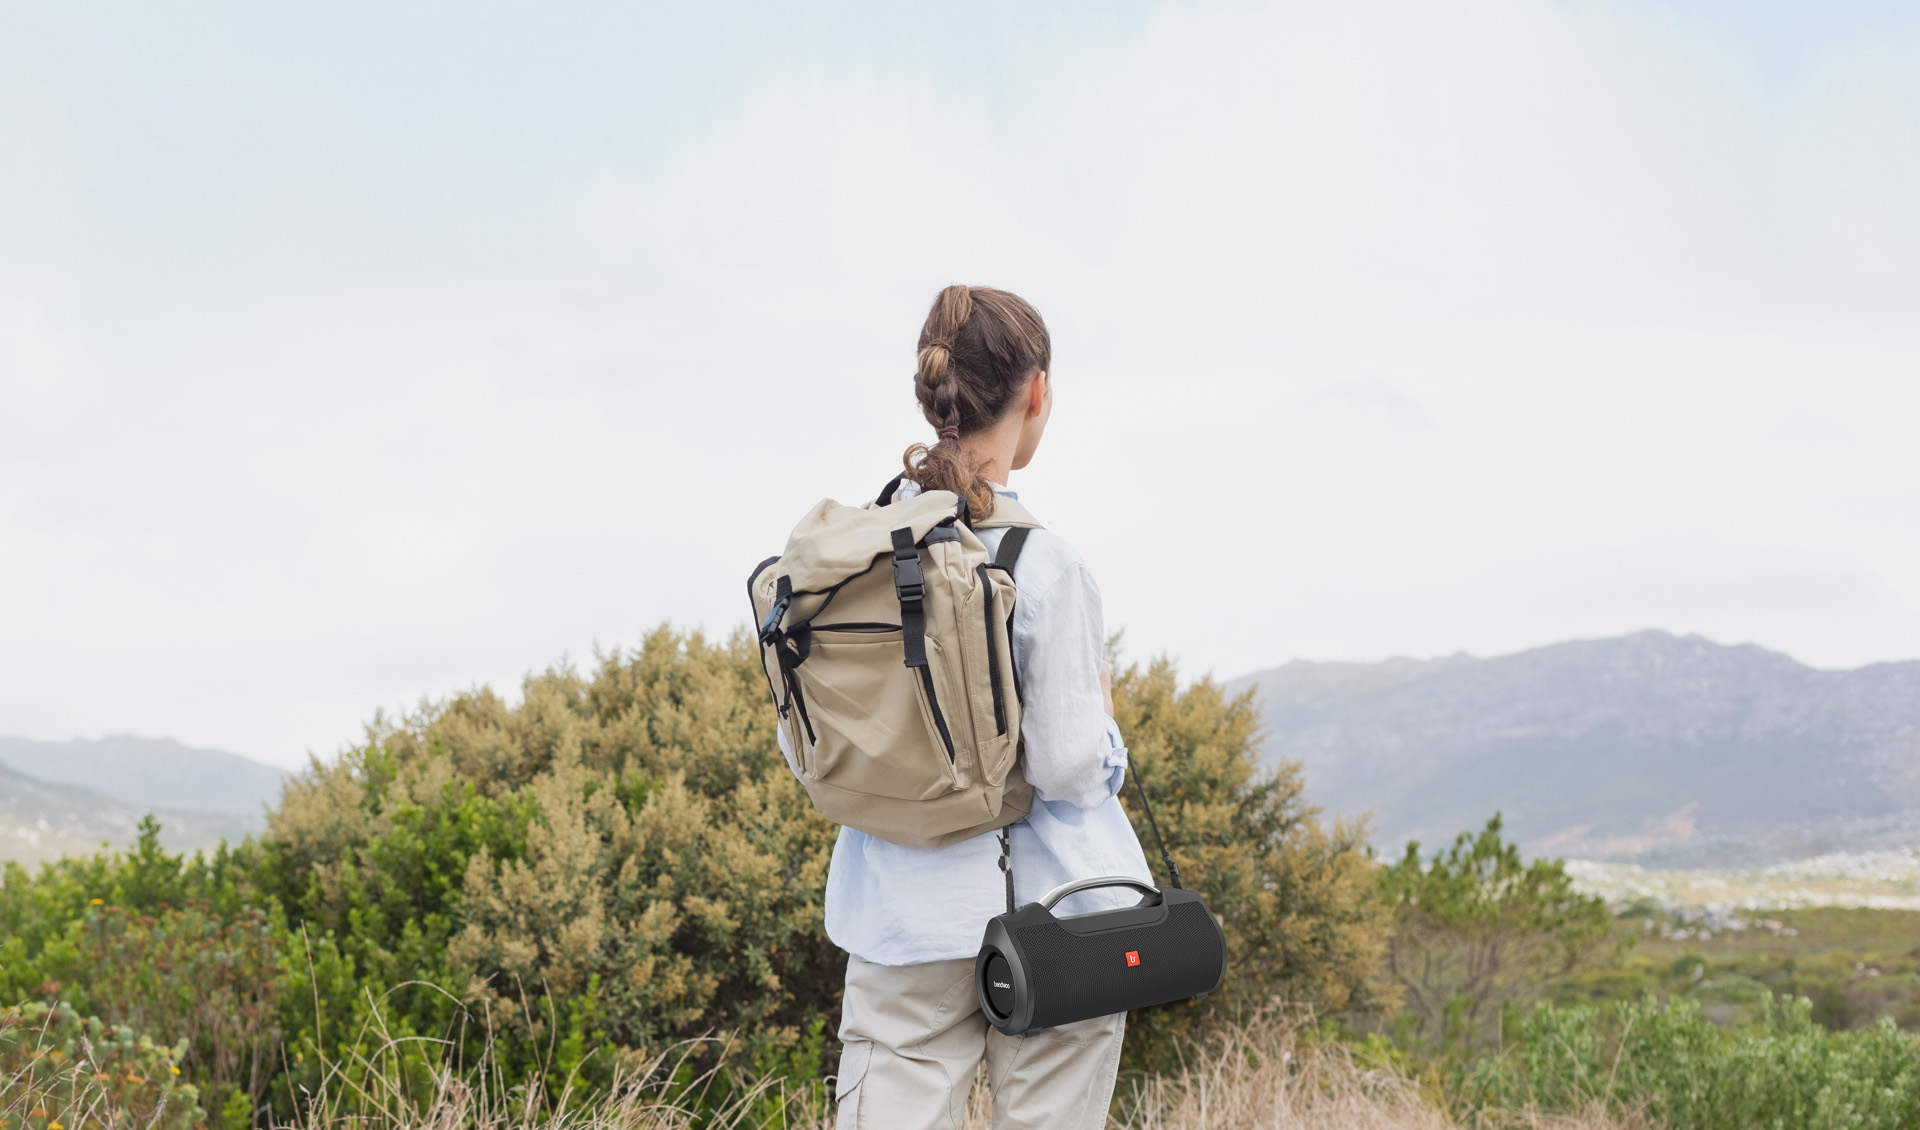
(886, 634)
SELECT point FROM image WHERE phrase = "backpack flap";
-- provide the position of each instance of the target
(834, 543)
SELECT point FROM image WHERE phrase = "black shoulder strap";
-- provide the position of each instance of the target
(1166, 857)
(1010, 547)
(1006, 862)
(887, 492)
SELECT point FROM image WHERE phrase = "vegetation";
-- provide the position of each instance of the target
(614, 874)
(59, 1069)
(601, 905)
(1669, 1062)
(1856, 967)
(1476, 929)
(618, 863)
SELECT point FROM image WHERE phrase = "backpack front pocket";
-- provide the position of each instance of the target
(873, 730)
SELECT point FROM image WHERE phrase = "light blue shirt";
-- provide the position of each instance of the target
(898, 905)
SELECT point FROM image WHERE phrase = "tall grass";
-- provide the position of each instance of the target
(60, 1072)
(1276, 1073)
(1268, 1074)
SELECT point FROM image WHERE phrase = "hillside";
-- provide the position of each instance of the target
(70, 797)
(150, 772)
(41, 821)
(1659, 749)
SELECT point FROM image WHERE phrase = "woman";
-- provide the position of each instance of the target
(911, 919)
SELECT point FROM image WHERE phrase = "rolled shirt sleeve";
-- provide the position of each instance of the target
(1074, 751)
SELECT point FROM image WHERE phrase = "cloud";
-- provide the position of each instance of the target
(43, 372)
(1393, 327)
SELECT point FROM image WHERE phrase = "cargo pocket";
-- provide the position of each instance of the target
(943, 702)
(855, 1055)
(872, 733)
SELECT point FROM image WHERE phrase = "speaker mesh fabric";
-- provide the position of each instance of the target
(1075, 976)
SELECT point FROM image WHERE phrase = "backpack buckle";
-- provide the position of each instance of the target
(770, 627)
(908, 581)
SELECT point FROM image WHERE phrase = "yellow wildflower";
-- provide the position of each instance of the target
(172, 1068)
(55, 1126)
(96, 902)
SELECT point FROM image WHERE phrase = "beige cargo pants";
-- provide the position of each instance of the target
(914, 1036)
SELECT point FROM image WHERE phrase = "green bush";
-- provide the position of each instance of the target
(565, 887)
(1672, 1063)
(41, 915)
(62, 1071)
(204, 979)
(616, 863)
(1476, 929)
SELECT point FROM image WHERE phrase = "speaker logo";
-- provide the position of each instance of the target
(1133, 957)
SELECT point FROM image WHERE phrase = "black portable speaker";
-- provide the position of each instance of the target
(1038, 970)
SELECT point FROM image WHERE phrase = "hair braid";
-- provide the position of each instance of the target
(977, 349)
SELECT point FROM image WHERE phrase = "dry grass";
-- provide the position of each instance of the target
(1267, 1076)
(1264, 1076)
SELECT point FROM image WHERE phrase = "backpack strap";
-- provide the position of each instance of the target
(1011, 544)
(909, 585)
(1010, 547)
(887, 492)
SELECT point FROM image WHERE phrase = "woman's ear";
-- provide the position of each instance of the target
(1037, 393)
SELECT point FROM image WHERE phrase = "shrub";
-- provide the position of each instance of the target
(1671, 1062)
(619, 861)
(41, 915)
(206, 980)
(1477, 928)
(61, 1070)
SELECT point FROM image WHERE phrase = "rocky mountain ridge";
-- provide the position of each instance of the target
(1665, 749)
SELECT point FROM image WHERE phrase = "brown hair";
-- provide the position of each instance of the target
(977, 350)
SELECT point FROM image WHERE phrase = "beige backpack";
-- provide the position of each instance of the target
(885, 630)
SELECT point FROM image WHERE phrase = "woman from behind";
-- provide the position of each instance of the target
(911, 918)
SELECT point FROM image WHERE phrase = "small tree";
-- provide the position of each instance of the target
(1477, 928)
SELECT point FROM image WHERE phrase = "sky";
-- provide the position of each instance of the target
(353, 355)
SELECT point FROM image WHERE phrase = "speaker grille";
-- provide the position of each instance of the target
(1073, 977)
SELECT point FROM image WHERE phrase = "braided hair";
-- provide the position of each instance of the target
(978, 349)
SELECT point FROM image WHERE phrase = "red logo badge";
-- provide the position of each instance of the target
(1133, 957)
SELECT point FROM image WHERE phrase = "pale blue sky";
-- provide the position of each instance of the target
(351, 355)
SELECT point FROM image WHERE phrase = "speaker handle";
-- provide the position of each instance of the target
(1065, 889)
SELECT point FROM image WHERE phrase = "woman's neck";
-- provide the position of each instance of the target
(992, 451)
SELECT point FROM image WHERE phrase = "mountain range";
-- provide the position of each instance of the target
(1664, 750)
(60, 798)
(1651, 748)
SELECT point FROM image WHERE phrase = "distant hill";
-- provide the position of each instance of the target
(41, 821)
(150, 772)
(66, 797)
(1664, 750)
